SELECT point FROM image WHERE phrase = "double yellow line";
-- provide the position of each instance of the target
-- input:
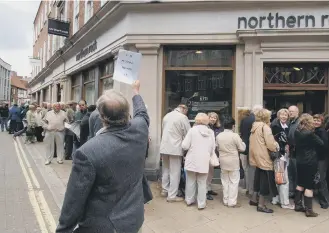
(39, 204)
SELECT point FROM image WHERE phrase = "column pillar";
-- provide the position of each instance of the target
(49, 94)
(37, 97)
(41, 97)
(54, 93)
(150, 76)
(97, 77)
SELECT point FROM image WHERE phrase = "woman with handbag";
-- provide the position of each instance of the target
(280, 130)
(31, 124)
(200, 146)
(229, 145)
(214, 125)
(261, 143)
(307, 143)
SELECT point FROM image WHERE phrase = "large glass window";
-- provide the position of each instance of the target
(89, 86)
(106, 73)
(201, 78)
(76, 88)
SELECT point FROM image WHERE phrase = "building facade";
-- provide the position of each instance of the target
(19, 89)
(213, 56)
(4, 81)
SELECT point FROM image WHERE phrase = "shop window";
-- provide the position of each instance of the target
(201, 78)
(89, 86)
(106, 73)
(76, 89)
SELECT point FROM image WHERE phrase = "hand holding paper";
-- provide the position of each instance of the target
(127, 66)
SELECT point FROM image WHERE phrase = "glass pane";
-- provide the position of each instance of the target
(298, 73)
(107, 84)
(202, 91)
(107, 68)
(89, 75)
(90, 93)
(199, 58)
(75, 80)
(76, 94)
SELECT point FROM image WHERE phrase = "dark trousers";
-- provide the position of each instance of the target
(322, 186)
(68, 146)
(38, 133)
(12, 126)
(19, 133)
(292, 174)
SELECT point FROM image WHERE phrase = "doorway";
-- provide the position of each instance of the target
(302, 84)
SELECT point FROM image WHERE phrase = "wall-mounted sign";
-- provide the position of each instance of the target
(58, 27)
(84, 52)
(277, 20)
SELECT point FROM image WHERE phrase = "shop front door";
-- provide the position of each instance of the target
(302, 84)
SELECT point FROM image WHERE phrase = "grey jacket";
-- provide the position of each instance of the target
(105, 192)
(95, 123)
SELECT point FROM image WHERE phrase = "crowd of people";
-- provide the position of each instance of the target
(286, 158)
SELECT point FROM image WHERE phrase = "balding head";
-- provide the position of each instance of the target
(293, 112)
(113, 108)
(256, 108)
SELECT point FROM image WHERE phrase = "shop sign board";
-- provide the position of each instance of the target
(58, 27)
(85, 51)
(281, 21)
(127, 66)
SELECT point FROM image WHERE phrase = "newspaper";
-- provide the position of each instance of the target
(75, 128)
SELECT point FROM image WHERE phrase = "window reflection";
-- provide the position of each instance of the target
(202, 91)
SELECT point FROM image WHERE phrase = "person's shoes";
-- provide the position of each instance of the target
(164, 194)
(212, 193)
(237, 205)
(202, 208)
(309, 207)
(47, 162)
(275, 200)
(60, 162)
(190, 204)
(289, 207)
(264, 210)
(209, 197)
(176, 199)
(252, 203)
(298, 201)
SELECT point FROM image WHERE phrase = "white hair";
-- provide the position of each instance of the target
(256, 108)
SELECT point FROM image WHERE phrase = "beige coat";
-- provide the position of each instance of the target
(229, 145)
(175, 126)
(261, 142)
(200, 144)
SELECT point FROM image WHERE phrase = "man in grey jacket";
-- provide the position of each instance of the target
(105, 192)
(175, 126)
(95, 123)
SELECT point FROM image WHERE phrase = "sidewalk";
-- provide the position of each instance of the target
(163, 217)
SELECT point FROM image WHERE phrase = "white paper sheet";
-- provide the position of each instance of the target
(66, 125)
(127, 66)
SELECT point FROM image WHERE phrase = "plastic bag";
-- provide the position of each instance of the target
(214, 161)
(279, 170)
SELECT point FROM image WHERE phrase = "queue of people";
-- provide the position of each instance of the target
(286, 158)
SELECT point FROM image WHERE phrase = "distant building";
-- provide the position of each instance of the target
(4, 81)
(19, 90)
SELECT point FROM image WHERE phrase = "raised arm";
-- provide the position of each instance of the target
(138, 104)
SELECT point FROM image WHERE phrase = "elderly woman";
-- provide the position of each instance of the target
(307, 143)
(31, 124)
(322, 153)
(200, 145)
(215, 125)
(261, 143)
(280, 130)
(229, 145)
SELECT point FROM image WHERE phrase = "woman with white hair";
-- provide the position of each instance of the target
(200, 144)
(280, 130)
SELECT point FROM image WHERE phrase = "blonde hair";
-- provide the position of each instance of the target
(213, 114)
(263, 115)
(202, 119)
(282, 110)
(306, 122)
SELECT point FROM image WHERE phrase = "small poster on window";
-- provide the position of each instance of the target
(127, 66)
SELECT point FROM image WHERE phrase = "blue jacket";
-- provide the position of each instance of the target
(15, 114)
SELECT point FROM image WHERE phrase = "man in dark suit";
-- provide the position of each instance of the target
(95, 123)
(105, 191)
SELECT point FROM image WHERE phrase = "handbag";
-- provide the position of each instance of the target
(279, 171)
(214, 161)
(242, 175)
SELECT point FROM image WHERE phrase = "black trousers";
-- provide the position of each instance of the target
(322, 186)
(38, 133)
(292, 174)
(68, 146)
